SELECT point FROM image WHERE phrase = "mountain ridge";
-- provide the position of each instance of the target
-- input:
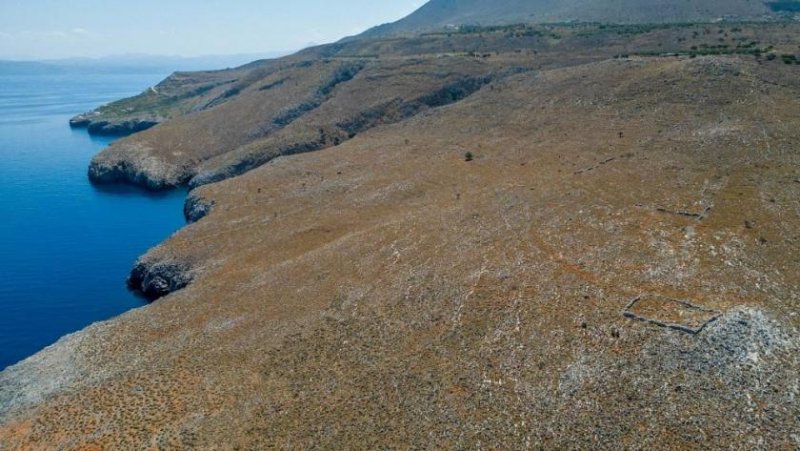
(439, 14)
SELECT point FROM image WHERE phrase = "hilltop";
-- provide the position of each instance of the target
(574, 236)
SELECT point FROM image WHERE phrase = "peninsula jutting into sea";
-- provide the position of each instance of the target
(491, 224)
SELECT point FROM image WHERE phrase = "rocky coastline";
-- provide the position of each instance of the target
(160, 272)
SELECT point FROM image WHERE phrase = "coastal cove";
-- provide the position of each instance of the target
(66, 246)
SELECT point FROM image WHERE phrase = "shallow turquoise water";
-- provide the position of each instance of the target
(65, 246)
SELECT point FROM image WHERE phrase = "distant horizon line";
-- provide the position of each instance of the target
(123, 56)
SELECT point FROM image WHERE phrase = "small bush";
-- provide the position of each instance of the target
(468, 156)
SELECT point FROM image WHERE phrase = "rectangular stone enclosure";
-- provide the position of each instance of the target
(670, 313)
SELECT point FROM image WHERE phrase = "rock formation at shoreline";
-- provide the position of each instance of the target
(112, 128)
(196, 208)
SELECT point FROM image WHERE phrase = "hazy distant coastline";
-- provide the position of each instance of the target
(130, 64)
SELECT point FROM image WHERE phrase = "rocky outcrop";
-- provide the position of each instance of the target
(134, 165)
(81, 120)
(196, 208)
(155, 279)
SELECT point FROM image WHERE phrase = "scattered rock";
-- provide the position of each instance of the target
(742, 336)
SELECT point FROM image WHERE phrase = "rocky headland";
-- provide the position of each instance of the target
(103, 127)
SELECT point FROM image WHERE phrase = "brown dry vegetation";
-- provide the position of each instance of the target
(385, 293)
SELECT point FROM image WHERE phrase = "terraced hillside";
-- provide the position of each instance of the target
(615, 265)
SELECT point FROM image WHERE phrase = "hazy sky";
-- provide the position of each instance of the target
(37, 29)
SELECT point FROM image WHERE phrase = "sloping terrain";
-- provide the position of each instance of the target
(312, 100)
(324, 96)
(617, 267)
(439, 14)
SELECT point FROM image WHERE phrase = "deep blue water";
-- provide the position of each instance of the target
(65, 246)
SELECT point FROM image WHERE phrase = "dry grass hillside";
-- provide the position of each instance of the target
(617, 267)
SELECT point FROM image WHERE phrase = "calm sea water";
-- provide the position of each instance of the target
(65, 246)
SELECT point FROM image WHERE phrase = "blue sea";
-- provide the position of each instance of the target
(66, 246)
